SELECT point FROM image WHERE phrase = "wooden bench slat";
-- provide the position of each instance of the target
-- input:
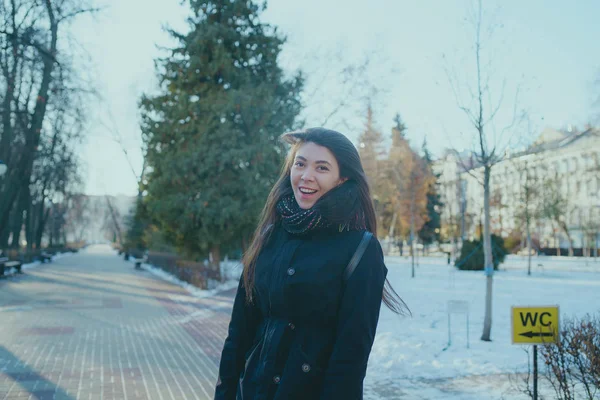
(11, 264)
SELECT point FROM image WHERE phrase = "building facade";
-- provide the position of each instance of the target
(555, 183)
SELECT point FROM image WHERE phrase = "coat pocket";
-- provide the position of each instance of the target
(302, 378)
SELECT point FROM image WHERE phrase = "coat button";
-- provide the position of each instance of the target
(305, 367)
(291, 271)
(292, 326)
(276, 379)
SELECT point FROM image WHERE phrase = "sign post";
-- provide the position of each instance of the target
(457, 307)
(535, 325)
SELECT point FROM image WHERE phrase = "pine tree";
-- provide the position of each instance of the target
(430, 232)
(213, 152)
(400, 127)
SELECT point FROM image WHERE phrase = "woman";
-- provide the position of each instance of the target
(299, 330)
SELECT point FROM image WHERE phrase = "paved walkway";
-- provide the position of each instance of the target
(90, 326)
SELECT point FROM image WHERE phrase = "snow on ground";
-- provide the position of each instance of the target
(411, 358)
(230, 283)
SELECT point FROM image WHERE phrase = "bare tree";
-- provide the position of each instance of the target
(30, 60)
(113, 128)
(556, 208)
(338, 89)
(112, 221)
(407, 180)
(528, 210)
(591, 230)
(79, 216)
(414, 180)
(481, 113)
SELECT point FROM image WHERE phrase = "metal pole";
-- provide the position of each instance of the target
(535, 373)
(467, 330)
(449, 334)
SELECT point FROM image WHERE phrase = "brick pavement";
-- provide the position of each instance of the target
(90, 326)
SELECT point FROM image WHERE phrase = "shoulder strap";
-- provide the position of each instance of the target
(362, 246)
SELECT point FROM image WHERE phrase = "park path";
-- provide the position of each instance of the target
(90, 326)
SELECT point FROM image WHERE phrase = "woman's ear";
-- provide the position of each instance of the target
(342, 180)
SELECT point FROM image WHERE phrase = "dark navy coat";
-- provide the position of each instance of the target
(308, 333)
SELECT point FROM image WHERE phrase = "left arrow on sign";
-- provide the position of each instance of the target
(537, 334)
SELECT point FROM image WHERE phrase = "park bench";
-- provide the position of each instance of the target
(46, 256)
(9, 262)
(139, 256)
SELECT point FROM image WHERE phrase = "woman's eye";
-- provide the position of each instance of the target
(299, 164)
(323, 168)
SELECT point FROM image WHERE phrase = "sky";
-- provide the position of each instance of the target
(541, 55)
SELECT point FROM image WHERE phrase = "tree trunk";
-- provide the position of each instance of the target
(412, 232)
(5, 230)
(28, 228)
(42, 219)
(116, 226)
(528, 247)
(6, 139)
(16, 225)
(487, 250)
(4, 234)
(570, 244)
(216, 260)
(391, 232)
(20, 174)
(22, 207)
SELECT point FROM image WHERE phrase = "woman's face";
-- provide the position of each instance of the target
(315, 171)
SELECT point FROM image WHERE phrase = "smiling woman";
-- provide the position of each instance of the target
(314, 173)
(301, 327)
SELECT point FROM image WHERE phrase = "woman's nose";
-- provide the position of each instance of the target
(307, 176)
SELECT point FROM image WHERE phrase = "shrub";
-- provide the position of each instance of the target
(471, 254)
(513, 242)
(573, 365)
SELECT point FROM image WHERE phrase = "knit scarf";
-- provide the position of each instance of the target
(339, 209)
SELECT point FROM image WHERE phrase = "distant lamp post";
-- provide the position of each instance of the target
(3, 168)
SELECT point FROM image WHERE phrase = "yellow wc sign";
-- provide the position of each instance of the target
(534, 325)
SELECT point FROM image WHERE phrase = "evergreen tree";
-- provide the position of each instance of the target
(399, 126)
(211, 135)
(137, 222)
(428, 232)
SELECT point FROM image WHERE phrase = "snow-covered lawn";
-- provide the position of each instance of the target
(411, 358)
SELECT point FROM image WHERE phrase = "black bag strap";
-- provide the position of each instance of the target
(360, 250)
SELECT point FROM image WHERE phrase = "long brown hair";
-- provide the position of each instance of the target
(350, 167)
